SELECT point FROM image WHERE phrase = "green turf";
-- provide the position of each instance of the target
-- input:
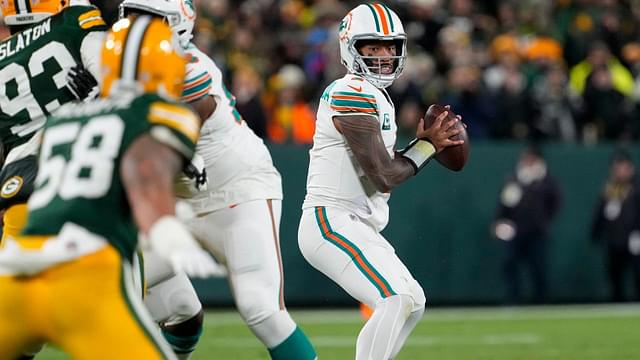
(559, 332)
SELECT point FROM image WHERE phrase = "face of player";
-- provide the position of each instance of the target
(381, 50)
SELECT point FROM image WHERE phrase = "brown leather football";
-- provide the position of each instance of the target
(453, 157)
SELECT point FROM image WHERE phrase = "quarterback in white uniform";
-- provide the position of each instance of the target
(237, 216)
(352, 169)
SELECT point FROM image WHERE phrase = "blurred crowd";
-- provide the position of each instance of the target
(556, 70)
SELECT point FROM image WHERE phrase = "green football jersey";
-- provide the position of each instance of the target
(78, 179)
(33, 68)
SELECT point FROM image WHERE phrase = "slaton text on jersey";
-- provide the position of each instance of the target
(22, 39)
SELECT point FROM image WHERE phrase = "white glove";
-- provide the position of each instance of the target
(184, 211)
(170, 239)
(193, 178)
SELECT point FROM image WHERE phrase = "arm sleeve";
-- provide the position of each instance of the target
(198, 81)
(90, 51)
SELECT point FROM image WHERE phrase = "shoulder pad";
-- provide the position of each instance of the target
(351, 95)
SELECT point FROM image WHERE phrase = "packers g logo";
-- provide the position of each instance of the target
(11, 186)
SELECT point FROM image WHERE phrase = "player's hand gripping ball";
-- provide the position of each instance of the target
(452, 157)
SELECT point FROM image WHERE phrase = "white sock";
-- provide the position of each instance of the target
(378, 336)
(409, 325)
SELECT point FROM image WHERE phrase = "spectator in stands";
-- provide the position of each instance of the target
(600, 57)
(554, 119)
(246, 87)
(505, 81)
(604, 85)
(529, 201)
(465, 94)
(616, 224)
(290, 118)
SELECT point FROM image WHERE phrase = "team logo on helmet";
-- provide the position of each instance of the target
(11, 186)
(345, 26)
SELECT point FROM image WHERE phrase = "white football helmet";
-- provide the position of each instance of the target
(180, 14)
(372, 22)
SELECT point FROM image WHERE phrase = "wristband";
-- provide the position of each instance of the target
(418, 152)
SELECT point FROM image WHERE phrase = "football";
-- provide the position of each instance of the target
(453, 157)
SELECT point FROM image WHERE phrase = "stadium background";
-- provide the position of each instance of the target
(518, 71)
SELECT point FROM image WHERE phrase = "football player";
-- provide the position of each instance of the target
(50, 39)
(238, 216)
(106, 171)
(352, 170)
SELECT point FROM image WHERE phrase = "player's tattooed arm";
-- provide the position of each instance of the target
(148, 171)
(362, 133)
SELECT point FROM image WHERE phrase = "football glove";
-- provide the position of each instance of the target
(193, 178)
(170, 239)
(81, 84)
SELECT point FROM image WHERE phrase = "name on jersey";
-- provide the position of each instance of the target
(24, 38)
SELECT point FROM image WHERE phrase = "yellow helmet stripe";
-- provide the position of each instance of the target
(133, 41)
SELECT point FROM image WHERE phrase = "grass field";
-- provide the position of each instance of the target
(609, 332)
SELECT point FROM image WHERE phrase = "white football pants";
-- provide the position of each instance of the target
(246, 239)
(359, 259)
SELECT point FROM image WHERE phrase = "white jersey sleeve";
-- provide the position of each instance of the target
(90, 50)
(198, 79)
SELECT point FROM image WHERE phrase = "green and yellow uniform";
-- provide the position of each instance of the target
(33, 67)
(82, 235)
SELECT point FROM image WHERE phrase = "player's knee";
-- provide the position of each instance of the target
(184, 305)
(253, 310)
(418, 298)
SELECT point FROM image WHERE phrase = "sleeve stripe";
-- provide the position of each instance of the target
(351, 93)
(92, 23)
(188, 91)
(89, 14)
(90, 19)
(360, 104)
(194, 97)
(357, 98)
(177, 118)
(354, 109)
(197, 80)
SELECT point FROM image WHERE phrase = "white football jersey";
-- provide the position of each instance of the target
(335, 178)
(239, 166)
